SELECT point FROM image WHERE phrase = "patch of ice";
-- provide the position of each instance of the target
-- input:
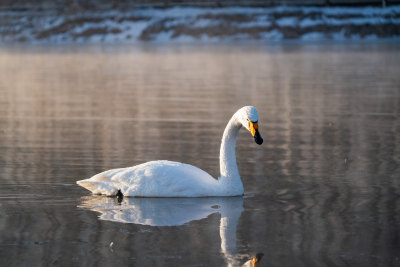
(355, 37)
(163, 36)
(313, 36)
(202, 23)
(174, 22)
(307, 22)
(287, 21)
(339, 36)
(371, 11)
(210, 39)
(260, 21)
(371, 37)
(273, 35)
(184, 39)
(136, 29)
(179, 12)
(238, 37)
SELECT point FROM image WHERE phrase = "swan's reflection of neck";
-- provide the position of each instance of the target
(173, 212)
(230, 215)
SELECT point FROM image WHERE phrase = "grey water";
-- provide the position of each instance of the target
(323, 189)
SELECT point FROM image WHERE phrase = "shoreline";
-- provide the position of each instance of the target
(103, 5)
(208, 25)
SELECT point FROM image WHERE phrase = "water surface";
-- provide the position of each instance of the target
(323, 189)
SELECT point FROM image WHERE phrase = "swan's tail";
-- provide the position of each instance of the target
(100, 186)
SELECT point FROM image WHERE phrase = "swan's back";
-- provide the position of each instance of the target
(154, 179)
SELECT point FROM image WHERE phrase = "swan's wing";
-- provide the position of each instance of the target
(166, 179)
(153, 179)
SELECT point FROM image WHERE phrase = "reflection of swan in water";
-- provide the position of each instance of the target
(254, 261)
(173, 212)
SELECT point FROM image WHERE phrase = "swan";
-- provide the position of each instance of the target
(164, 178)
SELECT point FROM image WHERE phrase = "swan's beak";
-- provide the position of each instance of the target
(253, 127)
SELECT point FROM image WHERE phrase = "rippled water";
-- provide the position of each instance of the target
(323, 189)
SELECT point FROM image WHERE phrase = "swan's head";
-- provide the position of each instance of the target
(248, 117)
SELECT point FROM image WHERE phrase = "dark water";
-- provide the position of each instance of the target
(323, 189)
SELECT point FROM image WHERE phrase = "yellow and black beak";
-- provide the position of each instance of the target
(253, 127)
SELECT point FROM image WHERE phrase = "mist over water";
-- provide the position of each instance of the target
(322, 190)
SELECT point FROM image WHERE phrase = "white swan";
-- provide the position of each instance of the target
(173, 179)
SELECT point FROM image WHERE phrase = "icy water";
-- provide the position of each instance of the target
(323, 189)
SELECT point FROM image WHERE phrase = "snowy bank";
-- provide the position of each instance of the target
(182, 24)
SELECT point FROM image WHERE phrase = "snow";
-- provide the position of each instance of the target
(287, 22)
(313, 36)
(273, 35)
(189, 24)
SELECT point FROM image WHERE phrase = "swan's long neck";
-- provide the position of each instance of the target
(227, 153)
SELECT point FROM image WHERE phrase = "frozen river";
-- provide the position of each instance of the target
(323, 189)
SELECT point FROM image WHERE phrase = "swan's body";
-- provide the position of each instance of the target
(160, 178)
(173, 179)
